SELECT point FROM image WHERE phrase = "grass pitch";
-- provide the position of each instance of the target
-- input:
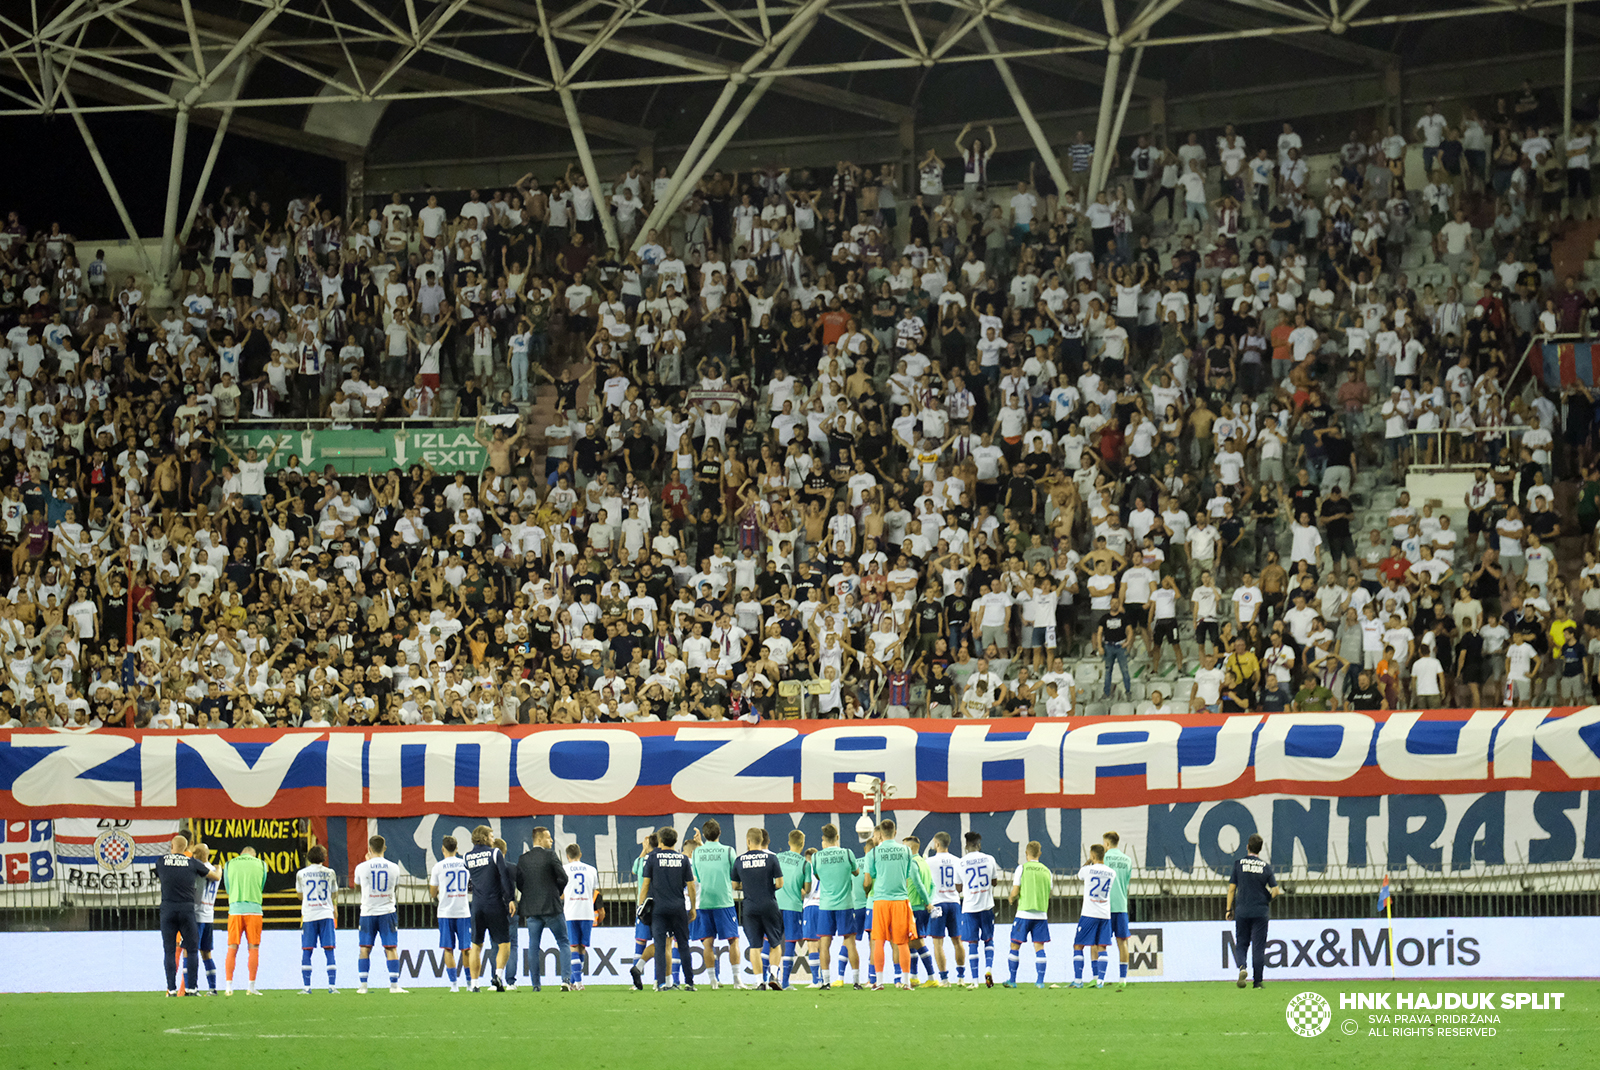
(1149, 1026)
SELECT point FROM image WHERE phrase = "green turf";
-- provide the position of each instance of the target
(1148, 1026)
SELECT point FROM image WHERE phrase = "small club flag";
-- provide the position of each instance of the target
(1383, 894)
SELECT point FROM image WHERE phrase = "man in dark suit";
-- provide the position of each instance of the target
(541, 880)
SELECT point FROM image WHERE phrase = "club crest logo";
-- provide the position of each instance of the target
(113, 850)
(1308, 1014)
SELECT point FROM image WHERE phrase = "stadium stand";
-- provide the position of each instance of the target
(819, 433)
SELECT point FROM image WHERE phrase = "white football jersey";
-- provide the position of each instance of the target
(946, 870)
(582, 878)
(454, 882)
(376, 877)
(814, 893)
(978, 872)
(1098, 880)
(205, 907)
(316, 885)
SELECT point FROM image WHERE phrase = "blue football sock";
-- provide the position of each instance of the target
(1123, 966)
(988, 955)
(961, 971)
(844, 960)
(914, 957)
(927, 961)
(1013, 960)
(1077, 964)
(577, 967)
(333, 970)
(814, 960)
(1039, 962)
(305, 966)
(449, 971)
(766, 966)
(972, 957)
(872, 973)
(363, 966)
(1099, 968)
(394, 971)
(788, 967)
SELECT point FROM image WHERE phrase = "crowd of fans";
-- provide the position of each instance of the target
(822, 445)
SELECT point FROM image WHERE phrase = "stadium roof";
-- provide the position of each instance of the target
(381, 80)
(640, 65)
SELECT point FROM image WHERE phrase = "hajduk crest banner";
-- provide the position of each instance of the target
(111, 854)
(794, 767)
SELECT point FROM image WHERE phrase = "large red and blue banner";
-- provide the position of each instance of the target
(1569, 364)
(937, 766)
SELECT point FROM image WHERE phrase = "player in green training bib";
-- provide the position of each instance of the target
(1030, 891)
(1122, 866)
(791, 899)
(245, 877)
(862, 906)
(834, 868)
(716, 920)
(920, 953)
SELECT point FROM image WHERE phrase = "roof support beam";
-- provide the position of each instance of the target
(428, 31)
(670, 55)
(1065, 66)
(161, 292)
(510, 104)
(798, 88)
(690, 174)
(657, 215)
(1147, 18)
(194, 40)
(105, 177)
(1052, 162)
(1102, 167)
(245, 42)
(1032, 21)
(117, 97)
(575, 124)
(1323, 44)
(239, 77)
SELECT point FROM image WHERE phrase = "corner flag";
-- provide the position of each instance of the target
(1383, 895)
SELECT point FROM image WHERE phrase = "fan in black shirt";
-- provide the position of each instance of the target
(1363, 695)
(1303, 496)
(469, 400)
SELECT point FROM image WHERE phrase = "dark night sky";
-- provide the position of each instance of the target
(52, 178)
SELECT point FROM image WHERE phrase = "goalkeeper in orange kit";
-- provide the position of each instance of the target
(892, 870)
